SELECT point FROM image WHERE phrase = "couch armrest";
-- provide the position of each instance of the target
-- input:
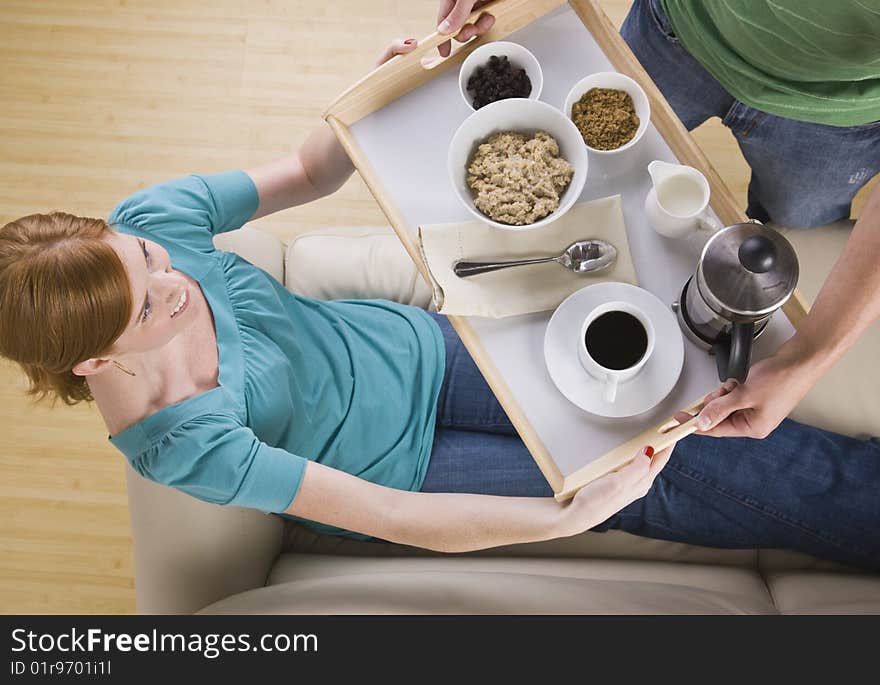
(189, 554)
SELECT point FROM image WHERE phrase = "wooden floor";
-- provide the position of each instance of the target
(99, 98)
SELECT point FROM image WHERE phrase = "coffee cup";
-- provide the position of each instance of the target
(678, 202)
(616, 341)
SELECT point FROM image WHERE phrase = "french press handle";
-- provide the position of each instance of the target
(733, 352)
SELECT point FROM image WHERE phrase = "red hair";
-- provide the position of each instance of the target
(64, 298)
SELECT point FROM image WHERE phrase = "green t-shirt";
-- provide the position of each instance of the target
(352, 384)
(810, 60)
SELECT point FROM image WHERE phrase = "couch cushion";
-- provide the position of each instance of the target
(610, 545)
(359, 262)
(314, 584)
(779, 560)
(845, 400)
(261, 249)
(613, 544)
(818, 592)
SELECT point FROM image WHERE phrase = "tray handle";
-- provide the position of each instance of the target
(404, 73)
(510, 16)
(502, 11)
(659, 437)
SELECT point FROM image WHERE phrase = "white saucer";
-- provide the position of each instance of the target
(643, 392)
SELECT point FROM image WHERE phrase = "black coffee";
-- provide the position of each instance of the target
(616, 340)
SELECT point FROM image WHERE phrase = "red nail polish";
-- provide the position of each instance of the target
(409, 41)
(649, 451)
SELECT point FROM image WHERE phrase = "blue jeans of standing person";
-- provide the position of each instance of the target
(803, 174)
(800, 488)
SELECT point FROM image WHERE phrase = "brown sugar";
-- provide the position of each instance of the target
(606, 118)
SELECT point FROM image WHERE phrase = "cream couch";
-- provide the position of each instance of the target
(196, 557)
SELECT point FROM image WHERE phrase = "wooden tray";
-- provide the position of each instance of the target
(367, 102)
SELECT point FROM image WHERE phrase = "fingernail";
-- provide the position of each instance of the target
(703, 423)
(409, 41)
(649, 451)
(444, 27)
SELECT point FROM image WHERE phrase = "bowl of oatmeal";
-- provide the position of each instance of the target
(517, 164)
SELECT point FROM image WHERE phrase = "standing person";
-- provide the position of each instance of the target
(798, 84)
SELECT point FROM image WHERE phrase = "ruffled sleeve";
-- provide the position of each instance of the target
(217, 459)
(188, 211)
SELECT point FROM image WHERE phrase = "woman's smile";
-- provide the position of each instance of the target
(182, 304)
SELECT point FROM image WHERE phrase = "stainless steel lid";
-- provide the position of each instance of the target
(747, 271)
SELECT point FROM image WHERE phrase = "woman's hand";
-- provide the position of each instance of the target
(451, 18)
(605, 496)
(398, 47)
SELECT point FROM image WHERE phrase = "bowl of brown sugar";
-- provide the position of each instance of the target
(610, 110)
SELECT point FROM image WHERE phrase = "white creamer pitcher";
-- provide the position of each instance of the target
(678, 202)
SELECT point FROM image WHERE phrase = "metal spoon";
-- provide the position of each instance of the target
(583, 256)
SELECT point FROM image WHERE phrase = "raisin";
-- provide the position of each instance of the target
(498, 79)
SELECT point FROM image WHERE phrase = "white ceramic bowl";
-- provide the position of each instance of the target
(611, 79)
(526, 117)
(515, 53)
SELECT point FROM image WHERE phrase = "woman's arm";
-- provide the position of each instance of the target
(318, 168)
(462, 522)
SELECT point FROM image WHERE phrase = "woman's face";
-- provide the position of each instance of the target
(162, 298)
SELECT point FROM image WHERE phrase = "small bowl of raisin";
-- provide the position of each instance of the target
(498, 71)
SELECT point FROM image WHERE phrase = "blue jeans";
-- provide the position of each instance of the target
(799, 488)
(803, 174)
(476, 448)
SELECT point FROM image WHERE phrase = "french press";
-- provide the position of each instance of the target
(745, 273)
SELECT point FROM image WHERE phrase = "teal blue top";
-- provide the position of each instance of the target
(351, 384)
